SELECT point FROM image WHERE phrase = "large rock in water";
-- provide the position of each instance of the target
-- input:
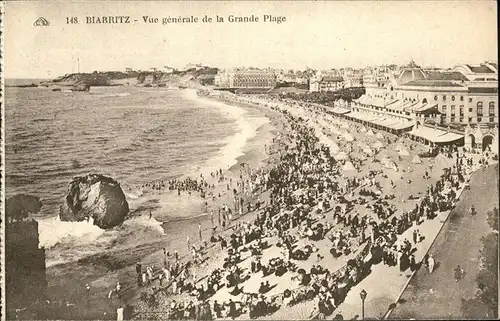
(95, 196)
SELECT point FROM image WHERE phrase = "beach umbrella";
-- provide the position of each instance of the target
(370, 132)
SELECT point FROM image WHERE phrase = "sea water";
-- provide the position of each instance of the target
(134, 135)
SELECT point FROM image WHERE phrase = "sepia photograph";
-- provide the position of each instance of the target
(240, 160)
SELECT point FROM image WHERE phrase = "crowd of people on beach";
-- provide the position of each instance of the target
(310, 200)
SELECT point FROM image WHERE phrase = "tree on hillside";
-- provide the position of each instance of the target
(141, 78)
(18, 207)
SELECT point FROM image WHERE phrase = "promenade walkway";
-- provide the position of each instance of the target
(386, 284)
(437, 295)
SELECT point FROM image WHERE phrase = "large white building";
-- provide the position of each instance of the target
(457, 106)
(245, 78)
(326, 81)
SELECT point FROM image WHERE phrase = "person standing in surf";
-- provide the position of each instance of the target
(199, 231)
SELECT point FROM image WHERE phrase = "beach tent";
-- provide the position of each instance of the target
(390, 164)
(416, 159)
(340, 156)
(441, 160)
(345, 125)
(349, 137)
(385, 160)
(368, 151)
(348, 166)
(363, 129)
(377, 144)
(379, 135)
(334, 148)
(370, 132)
(362, 145)
(403, 152)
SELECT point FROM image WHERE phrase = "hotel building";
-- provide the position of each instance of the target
(327, 82)
(245, 78)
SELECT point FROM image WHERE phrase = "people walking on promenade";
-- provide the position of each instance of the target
(430, 263)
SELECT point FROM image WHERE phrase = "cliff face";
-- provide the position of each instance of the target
(25, 278)
(95, 196)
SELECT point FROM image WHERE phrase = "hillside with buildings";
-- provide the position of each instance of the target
(197, 75)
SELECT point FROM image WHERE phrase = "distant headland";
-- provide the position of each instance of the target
(83, 81)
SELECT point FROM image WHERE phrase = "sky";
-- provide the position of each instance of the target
(316, 34)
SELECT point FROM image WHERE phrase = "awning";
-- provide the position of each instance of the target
(393, 123)
(362, 100)
(369, 117)
(400, 105)
(427, 109)
(435, 135)
(340, 110)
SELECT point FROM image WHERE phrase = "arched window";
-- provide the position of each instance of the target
(435, 97)
(492, 108)
(479, 109)
(424, 101)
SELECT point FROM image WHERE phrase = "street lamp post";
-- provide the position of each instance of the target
(363, 294)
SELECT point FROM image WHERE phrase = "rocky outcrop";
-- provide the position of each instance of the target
(95, 196)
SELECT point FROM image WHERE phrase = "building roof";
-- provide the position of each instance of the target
(446, 75)
(411, 74)
(483, 90)
(482, 69)
(252, 90)
(432, 83)
(332, 79)
(401, 104)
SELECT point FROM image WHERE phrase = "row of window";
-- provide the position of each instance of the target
(452, 98)
(479, 109)
(479, 119)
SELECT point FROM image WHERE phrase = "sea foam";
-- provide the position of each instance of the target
(234, 146)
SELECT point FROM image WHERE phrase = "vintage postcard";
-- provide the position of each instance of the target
(212, 160)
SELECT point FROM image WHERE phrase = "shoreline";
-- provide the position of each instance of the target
(153, 250)
(214, 260)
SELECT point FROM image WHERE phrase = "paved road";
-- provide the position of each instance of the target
(437, 295)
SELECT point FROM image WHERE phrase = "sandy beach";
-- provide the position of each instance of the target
(401, 184)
